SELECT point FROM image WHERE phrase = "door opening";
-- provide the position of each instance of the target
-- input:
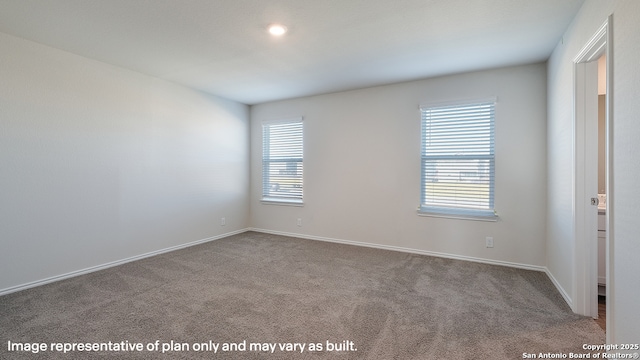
(592, 175)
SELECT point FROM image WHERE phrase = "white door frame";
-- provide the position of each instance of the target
(586, 175)
(585, 289)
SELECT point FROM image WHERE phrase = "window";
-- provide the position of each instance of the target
(458, 160)
(282, 161)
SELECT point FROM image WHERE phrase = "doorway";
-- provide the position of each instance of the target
(587, 184)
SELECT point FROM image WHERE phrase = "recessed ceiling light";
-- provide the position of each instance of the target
(277, 29)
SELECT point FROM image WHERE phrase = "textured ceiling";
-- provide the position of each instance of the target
(222, 46)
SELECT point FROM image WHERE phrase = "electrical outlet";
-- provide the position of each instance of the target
(299, 222)
(223, 221)
(489, 241)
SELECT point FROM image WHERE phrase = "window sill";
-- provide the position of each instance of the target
(268, 201)
(490, 218)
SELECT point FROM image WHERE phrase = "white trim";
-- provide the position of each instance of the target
(609, 241)
(585, 278)
(297, 235)
(293, 119)
(114, 263)
(275, 201)
(492, 99)
(493, 218)
(559, 287)
(544, 269)
(593, 49)
(404, 249)
(585, 187)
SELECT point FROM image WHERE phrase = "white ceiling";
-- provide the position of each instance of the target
(222, 46)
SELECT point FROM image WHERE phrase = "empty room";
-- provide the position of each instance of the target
(297, 179)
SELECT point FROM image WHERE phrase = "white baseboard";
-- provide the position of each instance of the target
(544, 269)
(114, 263)
(406, 250)
(561, 290)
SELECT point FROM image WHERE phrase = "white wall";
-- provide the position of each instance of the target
(626, 207)
(560, 243)
(362, 167)
(623, 202)
(100, 164)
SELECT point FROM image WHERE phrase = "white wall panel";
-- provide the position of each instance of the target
(624, 317)
(362, 166)
(99, 164)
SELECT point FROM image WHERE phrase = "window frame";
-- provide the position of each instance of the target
(266, 196)
(449, 211)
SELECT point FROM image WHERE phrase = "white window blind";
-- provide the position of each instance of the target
(458, 161)
(282, 161)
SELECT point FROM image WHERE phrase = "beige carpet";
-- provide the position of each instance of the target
(259, 292)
